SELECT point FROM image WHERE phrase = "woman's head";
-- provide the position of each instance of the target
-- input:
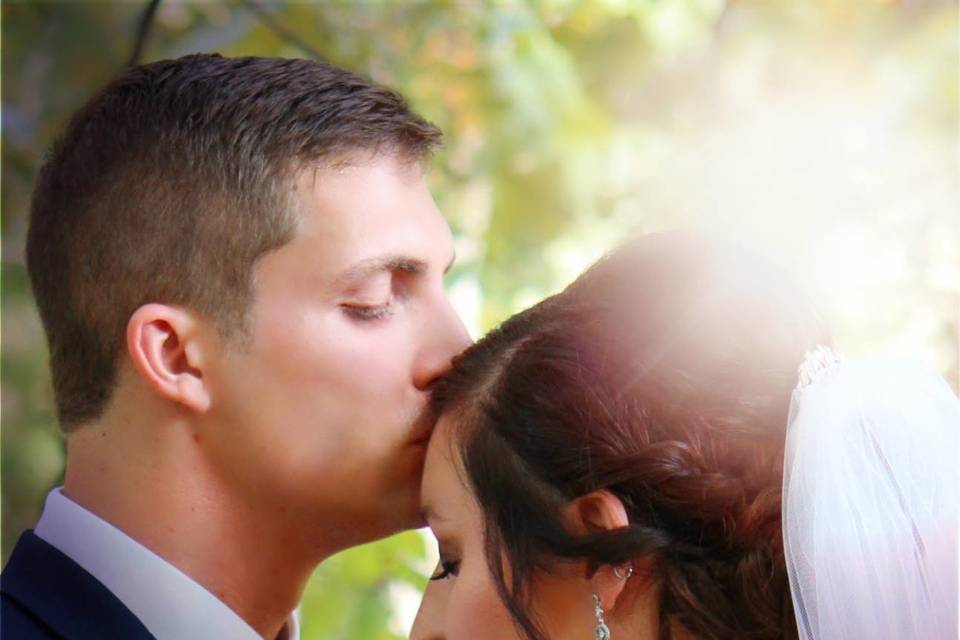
(634, 420)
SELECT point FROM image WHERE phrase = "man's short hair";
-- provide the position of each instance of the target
(169, 185)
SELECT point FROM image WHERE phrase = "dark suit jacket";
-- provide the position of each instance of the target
(45, 594)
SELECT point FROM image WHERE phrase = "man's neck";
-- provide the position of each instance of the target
(167, 497)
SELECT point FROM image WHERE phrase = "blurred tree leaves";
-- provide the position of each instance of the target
(568, 124)
(350, 596)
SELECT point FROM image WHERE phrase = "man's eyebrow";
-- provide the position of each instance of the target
(372, 266)
(380, 264)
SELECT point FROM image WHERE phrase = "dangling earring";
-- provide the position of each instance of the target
(603, 631)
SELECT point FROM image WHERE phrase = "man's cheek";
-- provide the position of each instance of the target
(386, 362)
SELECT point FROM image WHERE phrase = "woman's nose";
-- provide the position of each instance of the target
(428, 623)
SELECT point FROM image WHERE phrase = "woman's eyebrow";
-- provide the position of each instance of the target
(431, 514)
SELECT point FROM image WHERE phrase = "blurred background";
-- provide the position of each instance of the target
(821, 132)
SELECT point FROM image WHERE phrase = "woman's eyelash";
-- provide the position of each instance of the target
(447, 569)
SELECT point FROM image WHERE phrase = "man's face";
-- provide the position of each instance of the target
(322, 415)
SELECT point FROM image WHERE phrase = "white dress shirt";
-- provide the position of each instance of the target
(169, 603)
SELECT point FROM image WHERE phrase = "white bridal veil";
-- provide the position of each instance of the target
(870, 490)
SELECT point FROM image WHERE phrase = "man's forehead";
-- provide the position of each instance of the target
(312, 173)
(369, 218)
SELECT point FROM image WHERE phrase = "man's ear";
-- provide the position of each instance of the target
(596, 512)
(167, 347)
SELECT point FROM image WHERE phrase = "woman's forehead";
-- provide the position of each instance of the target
(443, 494)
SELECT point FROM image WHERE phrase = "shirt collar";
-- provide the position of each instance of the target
(169, 603)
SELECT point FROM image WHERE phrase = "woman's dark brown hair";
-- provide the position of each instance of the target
(663, 375)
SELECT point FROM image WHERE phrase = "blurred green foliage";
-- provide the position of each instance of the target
(568, 125)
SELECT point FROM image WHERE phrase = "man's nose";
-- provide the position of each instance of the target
(444, 337)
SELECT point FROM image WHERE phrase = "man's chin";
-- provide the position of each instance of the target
(369, 511)
(401, 513)
(376, 534)
(409, 515)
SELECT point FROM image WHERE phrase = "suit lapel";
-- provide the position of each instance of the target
(62, 594)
